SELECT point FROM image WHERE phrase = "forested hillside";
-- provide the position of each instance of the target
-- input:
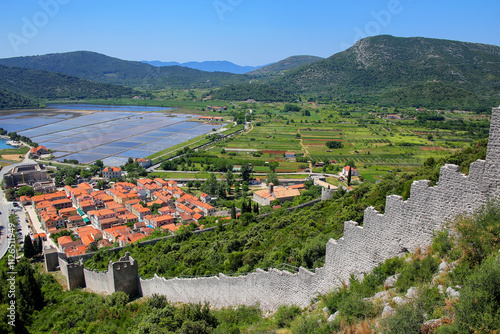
(42, 84)
(255, 91)
(14, 101)
(376, 63)
(101, 68)
(284, 65)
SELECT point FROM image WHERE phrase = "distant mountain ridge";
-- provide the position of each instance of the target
(207, 66)
(101, 68)
(285, 64)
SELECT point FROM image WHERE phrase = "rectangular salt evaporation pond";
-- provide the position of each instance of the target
(82, 158)
(124, 144)
(115, 161)
(68, 140)
(104, 150)
(135, 153)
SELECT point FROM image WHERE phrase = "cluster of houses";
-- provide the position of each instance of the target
(211, 108)
(121, 215)
(210, 119)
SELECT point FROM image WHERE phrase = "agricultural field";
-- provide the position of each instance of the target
(375, 144)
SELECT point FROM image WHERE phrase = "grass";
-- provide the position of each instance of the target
(20, 150)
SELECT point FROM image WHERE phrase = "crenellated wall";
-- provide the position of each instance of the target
(405, 226)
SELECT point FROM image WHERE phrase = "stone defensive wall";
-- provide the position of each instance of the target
(405, 226)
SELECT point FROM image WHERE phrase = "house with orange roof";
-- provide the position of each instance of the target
(42, 236)
(134, 237)
(165, 210)
(143, 182)
(87, 187)
(102, 219)
(88, 231)
(144, 163)
(171, 227)
(87, 206)
(66, 241)
(113, 233)
(62, 203)
(50, 221)
(205, 198)
(140, 211)
(75, 250)
(67, 212)
(109, 173)
(158, 221)
(197, 217)
(36, 152)
(207, 209)
(283, 194)
(186, 217)
(162, 183)
(75, 221)
(141, 191)
(25, 200)
(345, 171)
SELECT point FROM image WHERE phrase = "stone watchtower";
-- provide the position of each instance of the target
(326, 194)
(125, 275)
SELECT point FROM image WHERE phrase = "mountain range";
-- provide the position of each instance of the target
(207, 66)
(380, 69)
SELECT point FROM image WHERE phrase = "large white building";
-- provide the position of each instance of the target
(109, 173)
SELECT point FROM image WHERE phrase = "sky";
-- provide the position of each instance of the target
(245, 32)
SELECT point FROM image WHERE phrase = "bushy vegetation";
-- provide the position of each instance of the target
(41, 84)
(255, 91)
(14, 101)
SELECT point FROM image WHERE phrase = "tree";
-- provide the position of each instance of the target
(99, 163)
(273, 165)
(197, 184)
(233, 212)
(349, 175)
(230, 178)
(244, 187)
(154, 208)
(40, 245)
(272, 178)
(246, 172)
(69, 180)
(334, 144)
(29, 250)
(256, 208)
(25, 191)
(102, 184)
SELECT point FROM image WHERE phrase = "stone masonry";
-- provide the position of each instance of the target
(405, 226)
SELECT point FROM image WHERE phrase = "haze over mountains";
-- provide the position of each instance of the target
(208, 66)
(392, 70)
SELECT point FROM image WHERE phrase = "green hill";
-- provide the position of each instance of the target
(435, 95)
(47, 85)
(101, 68)
(376, 64)
(14, 101)
(285, 65)
(257, 91)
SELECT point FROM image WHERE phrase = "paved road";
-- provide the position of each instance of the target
(5, 208)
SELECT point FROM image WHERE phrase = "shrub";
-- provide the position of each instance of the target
(479, 233)
(479, 307)
(416, 272)
(285, 315)
(408, 319)
(312, 325)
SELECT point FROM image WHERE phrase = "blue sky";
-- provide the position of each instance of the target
(246, 32)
